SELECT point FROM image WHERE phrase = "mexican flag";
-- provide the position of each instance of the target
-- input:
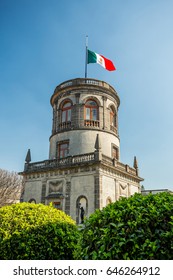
(100, 59)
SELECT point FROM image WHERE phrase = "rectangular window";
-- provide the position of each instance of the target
(115, 152)
(57, 205)
(63, 149)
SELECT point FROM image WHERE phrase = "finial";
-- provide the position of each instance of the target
(135, 163)
(97, 143)
(28, 156)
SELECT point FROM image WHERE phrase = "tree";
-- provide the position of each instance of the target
(11, 187)
(137, 228)
(36, 232)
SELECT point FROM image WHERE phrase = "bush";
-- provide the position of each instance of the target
(137, 228)
(35, 231)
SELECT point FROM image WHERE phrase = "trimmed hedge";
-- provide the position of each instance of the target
(35, 231)
(137, 228)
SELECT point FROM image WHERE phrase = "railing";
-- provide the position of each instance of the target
(107, 160)
(126, 168)
(55, 163)
(75, 160)
(83, 158)
(64, 125)
(82, 81)
(91, 123)
(132, 170)
(113, 128)
(122, 167)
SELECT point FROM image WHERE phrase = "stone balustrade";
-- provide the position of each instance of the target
(82, 81)
(78, 160)
(55, 163)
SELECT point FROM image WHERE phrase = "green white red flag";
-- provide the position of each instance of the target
(100, 59)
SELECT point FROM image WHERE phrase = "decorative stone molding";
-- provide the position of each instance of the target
(55, 186)
(123, 186)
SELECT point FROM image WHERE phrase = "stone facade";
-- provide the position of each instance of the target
(84, 168)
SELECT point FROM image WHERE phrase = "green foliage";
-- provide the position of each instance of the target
(35, 231)
(137, 228)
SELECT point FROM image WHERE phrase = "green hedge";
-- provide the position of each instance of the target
(137, 228)
(35, 231)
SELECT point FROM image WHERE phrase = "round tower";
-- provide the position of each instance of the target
(83, 108)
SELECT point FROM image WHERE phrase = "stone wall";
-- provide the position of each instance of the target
(83, 141)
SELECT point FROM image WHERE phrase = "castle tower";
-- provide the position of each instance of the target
(83, 108)
(84, 168)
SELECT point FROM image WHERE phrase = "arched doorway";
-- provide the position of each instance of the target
(81, 201)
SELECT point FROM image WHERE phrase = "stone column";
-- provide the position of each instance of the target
(97, 192)
(58, 119)
(104, 111)
(128, 190)
(67, 197)
(98, 153)
(43, 192)
(75, 117)
(54, 120)
(117, 191)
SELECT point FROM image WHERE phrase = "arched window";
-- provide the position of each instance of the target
(66, 112)
(91, 110)
(113, 121)
(112, 116)
(91, 113)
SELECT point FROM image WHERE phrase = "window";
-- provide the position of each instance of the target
(112, 116)
(63, 149)
(91, 110)
(91, 114)
(57, 205)
(115, 152)
(66, 112)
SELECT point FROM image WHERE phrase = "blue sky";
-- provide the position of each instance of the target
(42, 44)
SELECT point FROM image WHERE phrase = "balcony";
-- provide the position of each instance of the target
(113, 128)
(56, 163)
(81, 82)
(91, 123)
(64, 126)
(78, 160)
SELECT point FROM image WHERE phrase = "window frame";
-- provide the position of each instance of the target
(62, 152)
(112, 116)
(91, 108)
(66, 111)
(115, 152)
(57, 205)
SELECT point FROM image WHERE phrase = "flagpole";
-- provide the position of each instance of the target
(86, 57)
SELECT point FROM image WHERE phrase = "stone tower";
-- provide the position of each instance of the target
(84, 168)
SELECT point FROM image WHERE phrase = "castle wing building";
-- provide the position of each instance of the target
(83, 170)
